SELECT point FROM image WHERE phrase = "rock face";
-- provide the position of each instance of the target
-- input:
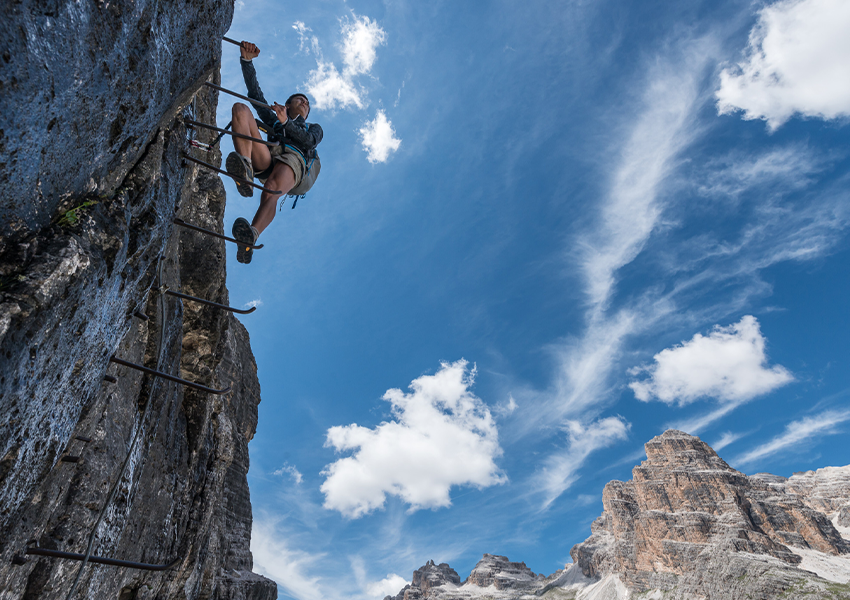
(90, 184)
(826, 490)
(688, 526)
(502, 574)
(689, 522)
(427, 579)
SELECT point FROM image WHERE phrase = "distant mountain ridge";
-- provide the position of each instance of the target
(686, 526)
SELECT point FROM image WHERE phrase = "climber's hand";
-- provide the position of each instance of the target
(280, 111)
(249, 50)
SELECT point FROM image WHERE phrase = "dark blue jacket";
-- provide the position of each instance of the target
(295, 132)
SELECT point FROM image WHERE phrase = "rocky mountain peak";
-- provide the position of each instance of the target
(687, 525)
(678, 450)
(685, 506)
(498, 571)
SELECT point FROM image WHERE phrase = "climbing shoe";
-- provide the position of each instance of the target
(238, 166)
(246, 236)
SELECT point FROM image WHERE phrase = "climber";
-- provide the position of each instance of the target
(280, 167)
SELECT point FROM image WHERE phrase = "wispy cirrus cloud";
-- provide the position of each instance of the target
(796, 63)
(415, 456)
(560, 470)
(726, 439)
(797, 433)
(290, 470)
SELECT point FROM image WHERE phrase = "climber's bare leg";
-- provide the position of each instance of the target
(283, 179)
(243, 122)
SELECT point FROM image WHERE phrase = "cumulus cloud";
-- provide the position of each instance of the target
(729, 364)
(330, 89)
(796, 63)
(560, 470)
(378, 137)
(334, 89)
(389, 586)
(287, 567)
(360, 40)
(798, 432)
(290, 470)
(441, 435)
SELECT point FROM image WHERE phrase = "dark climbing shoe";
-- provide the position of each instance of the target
(237, 166)
(246, 236)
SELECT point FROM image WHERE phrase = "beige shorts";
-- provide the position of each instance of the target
(287, 156)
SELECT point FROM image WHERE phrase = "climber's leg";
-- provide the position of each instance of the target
(282, 178)
(244, 123)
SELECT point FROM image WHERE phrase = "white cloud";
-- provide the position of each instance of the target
(726, 439)
(788, 168)
(290, 470)
(441, 435)
(287, 567)
(798, 432)
(560, 470)
(796, 63)
(253, 303)
(330, 89)
(389, 586)
(303, 38)
(379, 138)
(360, 40)
(632, 209)
(506, 409)
(729, 364)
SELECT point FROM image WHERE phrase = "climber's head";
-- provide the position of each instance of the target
(298, 103)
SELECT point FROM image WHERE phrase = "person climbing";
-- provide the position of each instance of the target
(280, 167)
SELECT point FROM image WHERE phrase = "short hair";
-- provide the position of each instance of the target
(303, 96)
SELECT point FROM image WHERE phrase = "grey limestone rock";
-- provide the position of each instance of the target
(111, 80)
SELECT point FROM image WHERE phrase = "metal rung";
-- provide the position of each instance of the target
(215, 304)
(240, 96)
(192, 123)
(110, 379)
(143, 369)
(70, 459)
(183, 223)
(83, 438)
(239, 179)
(35, 550)
(140, 315)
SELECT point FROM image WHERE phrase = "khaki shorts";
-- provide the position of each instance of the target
(287, 156)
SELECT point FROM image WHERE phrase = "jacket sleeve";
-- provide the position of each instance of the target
(250, 74)
(306, 139)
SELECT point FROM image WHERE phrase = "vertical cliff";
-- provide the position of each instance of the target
(92, 96)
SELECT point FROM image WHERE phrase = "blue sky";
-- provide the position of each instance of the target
(568, 226)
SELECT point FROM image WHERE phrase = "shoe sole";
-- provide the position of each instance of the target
(243, 234)
(234, 166)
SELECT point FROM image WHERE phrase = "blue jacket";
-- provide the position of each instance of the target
(295, 132)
